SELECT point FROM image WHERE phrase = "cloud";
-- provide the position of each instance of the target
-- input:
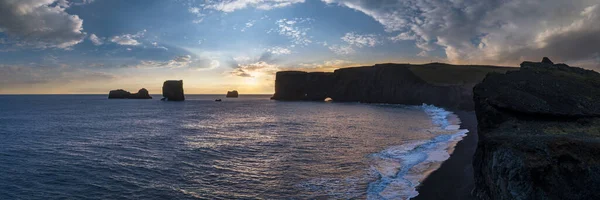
(248, 25)
(128, 39)
(255, 69)
(40, 24)
(290, 28)
(360, 40)
(97, 41)
(194, 10)
(182, 61)
(27, 78)
(279, 51)
(342, 50)
(155, 44)
(352, 40)
(233, 5)
(328, 65)
(490, 30)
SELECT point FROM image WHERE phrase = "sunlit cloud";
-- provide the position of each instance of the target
(128, 39)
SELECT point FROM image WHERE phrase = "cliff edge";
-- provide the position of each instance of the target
(539, 133)
(439, 84)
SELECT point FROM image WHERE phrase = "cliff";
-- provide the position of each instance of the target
(436, 83)
(539, 133)
(122, 94)
(173, 90)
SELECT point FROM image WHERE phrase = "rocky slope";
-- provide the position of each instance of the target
(436, 83)
(122, 94)
(173, 90)
(539, 133)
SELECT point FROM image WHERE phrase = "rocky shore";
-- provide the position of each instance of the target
(539, 133)
(538, 126)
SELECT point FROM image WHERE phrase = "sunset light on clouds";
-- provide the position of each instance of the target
(92, 46)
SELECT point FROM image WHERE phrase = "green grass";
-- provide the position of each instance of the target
(446, 74)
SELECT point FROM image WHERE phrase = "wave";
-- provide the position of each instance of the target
(400, 169)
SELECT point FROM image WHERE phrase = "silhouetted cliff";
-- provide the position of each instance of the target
(438, 84)
(173, 90)
(122, 94)
(539, 133)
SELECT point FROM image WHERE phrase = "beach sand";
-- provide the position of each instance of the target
(454, 178)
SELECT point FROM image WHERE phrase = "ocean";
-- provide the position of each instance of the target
(90, 147)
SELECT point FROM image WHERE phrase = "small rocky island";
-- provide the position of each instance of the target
(122, 94)
(172, 90)
(539, 133)
(232, 94)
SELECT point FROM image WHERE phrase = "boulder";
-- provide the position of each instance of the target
(232, 94)
(539, 133)
(172, 90)
(122, 94)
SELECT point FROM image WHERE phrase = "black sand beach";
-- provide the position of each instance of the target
(454, 178)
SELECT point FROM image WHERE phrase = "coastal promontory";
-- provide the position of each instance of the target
(539, 133)
(122, 94)
(439, 84)
(172, 90)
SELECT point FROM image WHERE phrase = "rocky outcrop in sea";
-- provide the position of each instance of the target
(173, 90)
(539, 133)
(122, 94)
(232, 94)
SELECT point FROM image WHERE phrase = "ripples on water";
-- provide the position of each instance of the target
(89, 147)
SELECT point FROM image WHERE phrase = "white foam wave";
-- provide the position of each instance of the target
(401, 168)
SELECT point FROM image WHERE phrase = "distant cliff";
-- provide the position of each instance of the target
(539, 133)
(122, 94)
(436, 83)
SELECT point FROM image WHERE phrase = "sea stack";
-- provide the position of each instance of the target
(122, 94)
(173, 90)
(232, 94)
(539, 133)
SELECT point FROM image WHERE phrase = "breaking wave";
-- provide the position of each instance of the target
(400, 169)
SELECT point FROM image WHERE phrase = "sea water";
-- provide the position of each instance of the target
(90, 147)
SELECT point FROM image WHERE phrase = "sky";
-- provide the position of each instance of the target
(93, 46)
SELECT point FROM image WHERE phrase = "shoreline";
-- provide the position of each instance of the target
(454, 178)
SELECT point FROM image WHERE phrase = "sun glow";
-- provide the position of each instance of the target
(251, 81)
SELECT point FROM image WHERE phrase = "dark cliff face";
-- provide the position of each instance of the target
(539, 133)
(122, 94)
(386, 83)
(173, 90)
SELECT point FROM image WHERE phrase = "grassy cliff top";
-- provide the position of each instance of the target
(447, 74)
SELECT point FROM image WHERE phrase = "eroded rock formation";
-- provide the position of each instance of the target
(439, 84)
(232, 94)
(173, 90)
(539, 133)
(122, 94)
